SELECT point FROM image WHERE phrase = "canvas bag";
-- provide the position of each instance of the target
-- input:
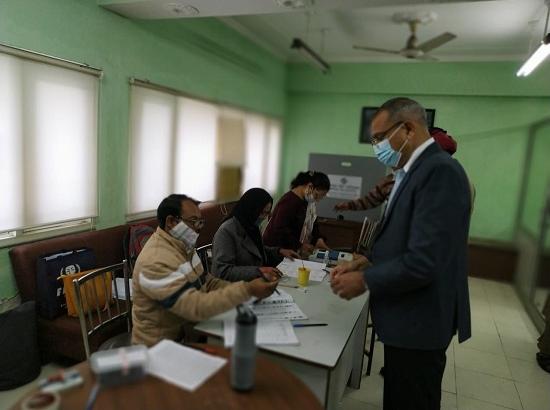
(49, 291)
(103, 290)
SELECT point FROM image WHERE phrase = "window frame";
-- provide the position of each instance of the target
(220, 105)
(20, 235)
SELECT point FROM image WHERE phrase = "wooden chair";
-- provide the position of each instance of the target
(205, 253)
(97, 318)
(366, 238)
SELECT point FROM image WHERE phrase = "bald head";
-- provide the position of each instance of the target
(403, 122)
(403, 109)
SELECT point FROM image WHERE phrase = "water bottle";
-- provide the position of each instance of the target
(243, 354)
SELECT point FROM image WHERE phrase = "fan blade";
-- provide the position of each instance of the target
(378, 50)
(427, 57)
(436, 42)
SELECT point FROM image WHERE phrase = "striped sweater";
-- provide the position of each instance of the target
(169, 287)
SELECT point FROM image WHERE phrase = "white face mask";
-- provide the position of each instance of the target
(185, 234)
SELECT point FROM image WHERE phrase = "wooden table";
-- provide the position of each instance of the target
(276, 388)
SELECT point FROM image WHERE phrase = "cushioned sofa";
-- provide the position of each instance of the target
(61, 337)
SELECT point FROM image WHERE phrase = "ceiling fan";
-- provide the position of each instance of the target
(412, 49)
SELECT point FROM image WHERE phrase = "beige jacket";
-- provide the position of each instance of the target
(169, 288)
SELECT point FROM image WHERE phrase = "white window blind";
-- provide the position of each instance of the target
(273, 154)
(180, 145)
(48, 144)
(152, 125)
(195, 165)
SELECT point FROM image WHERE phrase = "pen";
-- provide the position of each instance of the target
(326, 270)
(288, 286)
(93, 396)
(309, 324)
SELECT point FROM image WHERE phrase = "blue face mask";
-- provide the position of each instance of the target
(385, 153)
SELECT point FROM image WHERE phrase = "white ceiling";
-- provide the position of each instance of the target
(487, 30)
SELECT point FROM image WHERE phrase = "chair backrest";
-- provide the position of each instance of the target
(368, 232)
(94, 317)
(205, 253)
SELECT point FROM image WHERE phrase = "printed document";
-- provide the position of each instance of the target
(268, 332)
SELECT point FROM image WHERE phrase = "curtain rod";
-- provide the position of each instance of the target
(45, 58)
(178, 93)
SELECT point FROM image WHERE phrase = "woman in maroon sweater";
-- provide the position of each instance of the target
(292, 224)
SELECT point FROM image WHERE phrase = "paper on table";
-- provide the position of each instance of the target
(290, 268)
(268, 332)
(278, 311)
(282, 297)
(182, 366)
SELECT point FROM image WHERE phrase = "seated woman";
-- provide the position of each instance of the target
(238, 252)
(292, 224)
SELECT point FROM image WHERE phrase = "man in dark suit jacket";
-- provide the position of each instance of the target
(417, 272)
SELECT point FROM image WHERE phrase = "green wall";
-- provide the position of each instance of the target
(202, 57)
(482, 105)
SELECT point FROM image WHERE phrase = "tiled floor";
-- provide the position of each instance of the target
(494, 370)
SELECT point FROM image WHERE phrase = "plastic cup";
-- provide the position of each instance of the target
(303, 276)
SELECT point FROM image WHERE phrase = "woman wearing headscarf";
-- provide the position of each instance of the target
(238, 252)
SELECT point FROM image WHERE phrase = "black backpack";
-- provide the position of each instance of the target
(19, 356)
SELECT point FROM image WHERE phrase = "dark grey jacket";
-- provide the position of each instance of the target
(418, 281)
(235, 256)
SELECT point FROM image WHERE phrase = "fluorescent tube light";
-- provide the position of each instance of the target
(310, 55)
(536, 58)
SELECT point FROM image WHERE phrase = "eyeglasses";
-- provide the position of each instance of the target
(196, 223)
(377, 138)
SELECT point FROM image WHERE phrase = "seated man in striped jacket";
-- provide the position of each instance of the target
(169, 287)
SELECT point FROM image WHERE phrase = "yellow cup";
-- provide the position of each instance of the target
(303, 276)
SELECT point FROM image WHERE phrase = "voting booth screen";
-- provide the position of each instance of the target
(351, 177)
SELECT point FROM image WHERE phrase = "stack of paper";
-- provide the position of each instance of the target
(290, 268)
(279, 332)
(182, 366)
(281, 297)
(278, 311)
(278, 307)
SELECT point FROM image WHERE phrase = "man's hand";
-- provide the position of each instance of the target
(341, 269)
(342, 206)
(289, 253)
(321, 244)
(270, 274)
(306, 249)
(260, 288)
(349, 286)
